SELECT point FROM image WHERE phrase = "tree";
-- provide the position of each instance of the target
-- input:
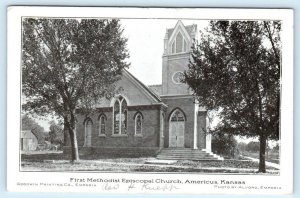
(29, 124)
(56, 133)
(224, 144)
(242, 147)
(235, 70)
(275, 149)
(69, 64)
(253, 146)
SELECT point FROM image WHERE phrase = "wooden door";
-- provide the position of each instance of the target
(173, 135)
(176, 129)
(180, 134)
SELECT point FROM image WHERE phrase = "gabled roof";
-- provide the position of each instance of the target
(157, 89)
(146, 89)
(189, 29)
(28, 134)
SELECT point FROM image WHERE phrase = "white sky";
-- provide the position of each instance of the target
(145, 45)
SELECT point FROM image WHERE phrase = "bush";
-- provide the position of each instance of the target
(225, 145)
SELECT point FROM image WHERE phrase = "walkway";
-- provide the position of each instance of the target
(267, 163)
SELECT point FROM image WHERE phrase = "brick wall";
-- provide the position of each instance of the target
(171, 65)
(150, 130)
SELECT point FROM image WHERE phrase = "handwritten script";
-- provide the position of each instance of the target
(152, 187)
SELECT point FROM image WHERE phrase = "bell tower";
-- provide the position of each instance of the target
(177, 48)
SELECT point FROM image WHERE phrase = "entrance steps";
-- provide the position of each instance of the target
(187, 154)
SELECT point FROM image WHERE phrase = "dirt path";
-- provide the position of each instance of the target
(267, 163)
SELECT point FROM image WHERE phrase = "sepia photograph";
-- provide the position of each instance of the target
(151, 95)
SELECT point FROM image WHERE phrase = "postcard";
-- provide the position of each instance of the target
(150, 100)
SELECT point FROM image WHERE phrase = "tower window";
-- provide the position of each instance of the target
(179, 44)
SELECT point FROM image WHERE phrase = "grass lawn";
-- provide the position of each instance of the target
(61, 162)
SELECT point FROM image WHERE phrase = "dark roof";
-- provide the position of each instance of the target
(157, 89)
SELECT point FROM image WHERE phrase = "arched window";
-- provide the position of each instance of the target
(120, 116)
(179, 44)
(102, 120)
(88, 132)
(177, 116)
(138, 124)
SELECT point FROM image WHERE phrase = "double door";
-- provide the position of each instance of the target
(176, 134)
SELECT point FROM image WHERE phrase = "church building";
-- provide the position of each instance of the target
(158, 120)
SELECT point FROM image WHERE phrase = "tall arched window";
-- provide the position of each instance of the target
(88, 132)
(102, 120)
(120, 116)
(138, 124)
(179, 44)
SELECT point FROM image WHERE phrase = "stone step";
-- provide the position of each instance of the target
(179, 156)
(186, 154)
(183, 153)
(187, 158)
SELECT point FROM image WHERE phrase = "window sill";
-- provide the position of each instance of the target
(102, 135)
(119, 135)
(139, 135)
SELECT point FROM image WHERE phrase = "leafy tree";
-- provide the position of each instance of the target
(235, 70)
(224, 144)
(69, 64)
(56, 133)
(253, 146)
(242, 147)
(275, 149)
(30, 124)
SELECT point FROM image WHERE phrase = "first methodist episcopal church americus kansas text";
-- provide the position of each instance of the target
(159, 120)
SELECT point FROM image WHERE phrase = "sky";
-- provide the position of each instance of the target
(145, 45)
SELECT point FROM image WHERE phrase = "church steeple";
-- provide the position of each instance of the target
(177, 45)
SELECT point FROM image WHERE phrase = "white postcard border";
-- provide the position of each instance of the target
(61, 181)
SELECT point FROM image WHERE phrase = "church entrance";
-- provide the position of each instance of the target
(176, 129)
